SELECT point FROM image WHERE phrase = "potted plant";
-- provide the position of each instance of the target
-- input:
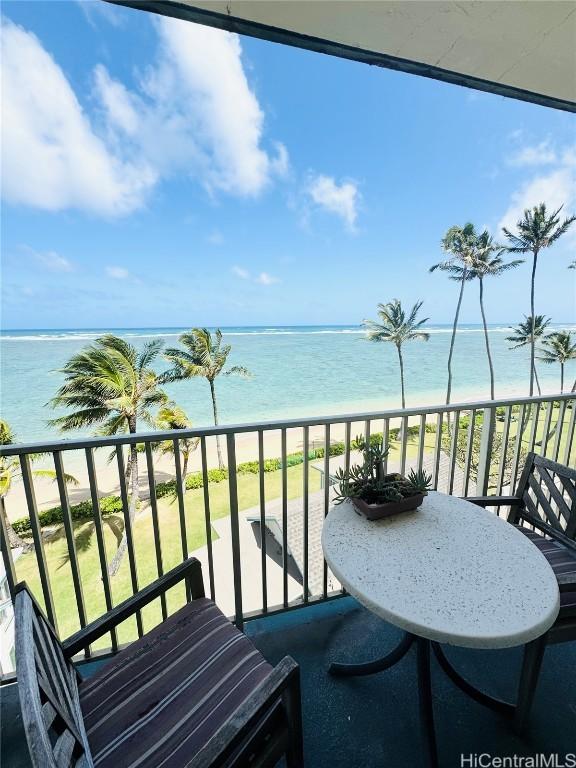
(376, 494)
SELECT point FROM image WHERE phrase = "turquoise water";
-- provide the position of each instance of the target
(297, 371)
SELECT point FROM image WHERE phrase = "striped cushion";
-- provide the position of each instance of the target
(561, 560)
(160, 700)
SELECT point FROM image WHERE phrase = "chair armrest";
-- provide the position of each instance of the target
(567, 581)
(190, 569)
(547, 529)
(241, 724)
(494, 501)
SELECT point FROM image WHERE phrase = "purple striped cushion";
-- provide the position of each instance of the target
(160, 700)
(561, 560)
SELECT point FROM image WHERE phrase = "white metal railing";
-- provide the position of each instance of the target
(468, 448)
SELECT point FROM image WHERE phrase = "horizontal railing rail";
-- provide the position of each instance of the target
(255, 523)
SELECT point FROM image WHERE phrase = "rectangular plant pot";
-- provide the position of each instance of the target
(389, 508)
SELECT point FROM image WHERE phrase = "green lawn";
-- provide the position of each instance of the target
(169, 524)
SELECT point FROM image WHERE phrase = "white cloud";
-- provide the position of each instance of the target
(340, 199)
(215, 238)
(193, 113)
(556, 187)
(118, 273)
(240, 272)
(94, 10)
(281, 163)
(50, 259)
(118, 103)
(265, 279)
(540, 154)
(51, 157)
(199, 88)
(54, 261)
(516, 134)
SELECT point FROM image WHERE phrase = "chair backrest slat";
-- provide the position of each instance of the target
(542, 501)
(64, 749)
(548, 493)
(48, 689)
(48, 715)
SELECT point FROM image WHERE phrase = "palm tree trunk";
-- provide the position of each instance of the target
(537, 381)
(15, 541)
(128, 469)
(573, 386)
(452, 340)
(486, 339)
(561, 378)
(185, 457)
(401, 361)
(215, 411)
(532, 340)
(134, 498)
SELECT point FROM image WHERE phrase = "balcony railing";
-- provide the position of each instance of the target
(255, 526)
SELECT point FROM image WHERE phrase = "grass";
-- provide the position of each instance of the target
(171, 543)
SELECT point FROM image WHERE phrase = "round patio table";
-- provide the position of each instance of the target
(449, 572)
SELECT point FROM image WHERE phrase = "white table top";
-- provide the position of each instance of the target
(449, 571)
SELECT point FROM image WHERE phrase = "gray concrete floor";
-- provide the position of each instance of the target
(372, 722)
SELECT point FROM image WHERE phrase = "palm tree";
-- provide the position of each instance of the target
(10, 471)
(484, 261)
(396, 328)
(558, 348)
(459, 243)
(202, 355)
(171, 416)
(522, 334)
(535, 231)
(111, 384)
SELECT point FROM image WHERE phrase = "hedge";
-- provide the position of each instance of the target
(108, 506)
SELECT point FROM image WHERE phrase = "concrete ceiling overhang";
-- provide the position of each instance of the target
(523, 49)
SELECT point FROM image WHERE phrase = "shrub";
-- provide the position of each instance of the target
(53, 516)
(248, 468)
(294, 459)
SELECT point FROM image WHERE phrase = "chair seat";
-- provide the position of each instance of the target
(561, 561)
(160, 700)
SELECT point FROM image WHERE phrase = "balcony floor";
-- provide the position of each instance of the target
(372, 722)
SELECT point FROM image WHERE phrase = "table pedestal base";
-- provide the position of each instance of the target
(423, 648)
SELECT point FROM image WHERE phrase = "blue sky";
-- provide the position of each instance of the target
(158, 173)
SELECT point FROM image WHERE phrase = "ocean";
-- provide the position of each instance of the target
(297, 371)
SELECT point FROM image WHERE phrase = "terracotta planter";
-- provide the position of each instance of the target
(388, 508)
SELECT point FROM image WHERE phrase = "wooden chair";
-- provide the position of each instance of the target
(192, 692)
(544, 509)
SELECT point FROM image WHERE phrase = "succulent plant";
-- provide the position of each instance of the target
(369, 482)
(420, 480)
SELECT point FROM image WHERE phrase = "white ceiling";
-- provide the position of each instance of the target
(528, 45)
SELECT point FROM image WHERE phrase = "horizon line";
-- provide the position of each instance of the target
(270, 326)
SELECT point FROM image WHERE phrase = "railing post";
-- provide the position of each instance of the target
(235, 530)
(485, 458)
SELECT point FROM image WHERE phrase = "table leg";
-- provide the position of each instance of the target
(425, 700)
(378, 665)
(502, 707)
(424, 684)
(532, 661)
